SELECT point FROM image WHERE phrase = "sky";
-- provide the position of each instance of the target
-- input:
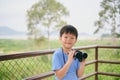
(83, 13)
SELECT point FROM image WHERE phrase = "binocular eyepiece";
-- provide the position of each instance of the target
(80, 55)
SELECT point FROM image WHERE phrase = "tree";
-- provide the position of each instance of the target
(109, 17)
(43, 17)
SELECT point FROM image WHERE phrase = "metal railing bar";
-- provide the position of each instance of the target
(108, 61)
(46, 52)
(40, 76)
(109, 74)
(35, 53)
(25, 54)
(105, 46)
(88, 75)
(85, 47)
(90, 62)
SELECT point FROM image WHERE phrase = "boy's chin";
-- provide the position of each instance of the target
(68, 47)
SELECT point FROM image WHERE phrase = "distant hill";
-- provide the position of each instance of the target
(4, 30)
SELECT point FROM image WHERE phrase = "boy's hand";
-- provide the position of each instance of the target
(70, 55)
(83, 62)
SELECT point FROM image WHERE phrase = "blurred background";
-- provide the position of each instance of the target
(33, 25)
(40, 21)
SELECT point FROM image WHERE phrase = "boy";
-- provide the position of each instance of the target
(63, 63)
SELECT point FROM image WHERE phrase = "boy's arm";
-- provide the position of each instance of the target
(62, 72)
(81, 69)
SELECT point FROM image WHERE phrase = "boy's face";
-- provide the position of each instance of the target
(68, 40)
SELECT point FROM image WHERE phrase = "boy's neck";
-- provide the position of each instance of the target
(66, 50)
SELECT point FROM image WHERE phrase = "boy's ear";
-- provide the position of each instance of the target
(59, 38)
(75, 40)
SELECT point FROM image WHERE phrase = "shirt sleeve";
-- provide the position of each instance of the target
(56, 61)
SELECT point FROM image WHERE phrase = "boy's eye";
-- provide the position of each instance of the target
(72, 38)
(65, 36)
(68, 37)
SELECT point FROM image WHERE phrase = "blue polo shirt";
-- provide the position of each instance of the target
(58, 60)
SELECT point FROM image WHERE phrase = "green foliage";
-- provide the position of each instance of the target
(44, 16)
(7, 45)
(109, 17)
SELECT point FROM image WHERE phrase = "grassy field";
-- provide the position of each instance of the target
(20, 68)
(8, 46)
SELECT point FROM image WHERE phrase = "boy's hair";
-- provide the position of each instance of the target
(69, 29)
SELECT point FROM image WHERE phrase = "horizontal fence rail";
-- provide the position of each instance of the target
(46, 52)
(24, 55)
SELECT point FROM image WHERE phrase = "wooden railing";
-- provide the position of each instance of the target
(96, 61)
(51, 73)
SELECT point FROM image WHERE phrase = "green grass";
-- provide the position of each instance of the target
(12, 46)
